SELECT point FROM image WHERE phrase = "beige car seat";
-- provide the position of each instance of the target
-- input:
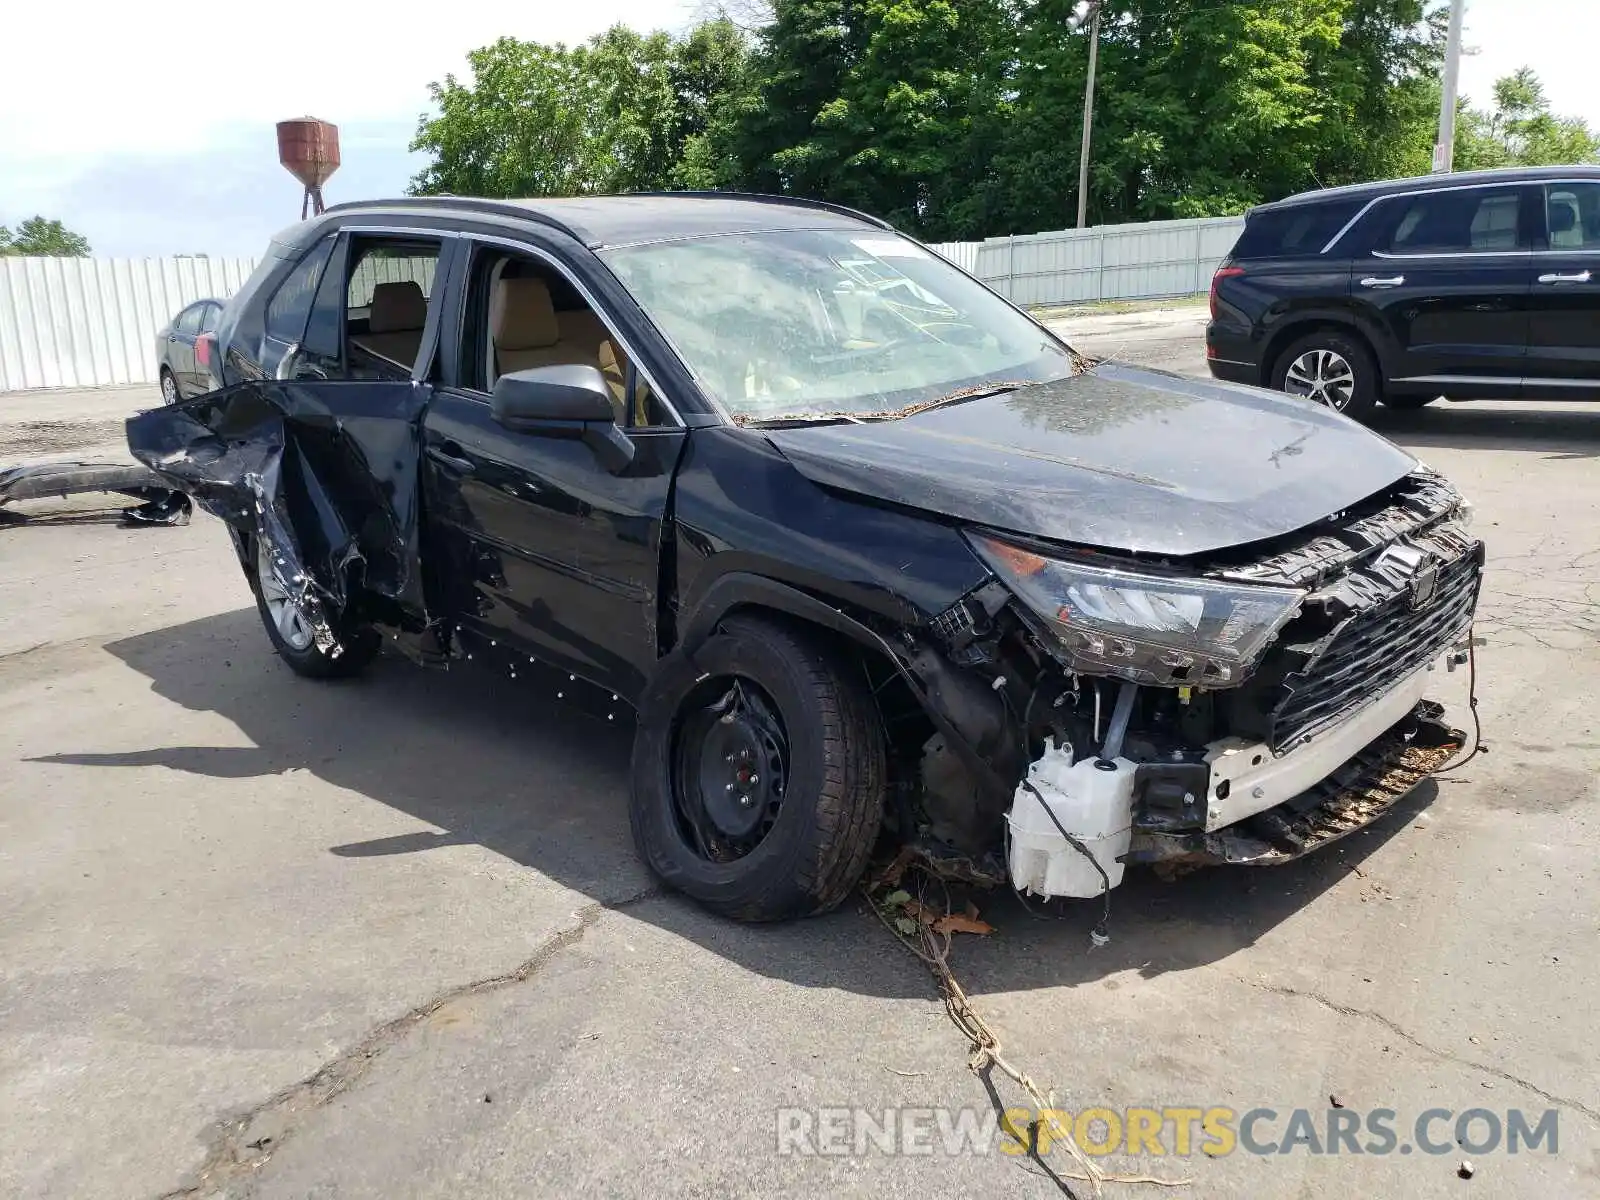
(394, 322)
(528, 332)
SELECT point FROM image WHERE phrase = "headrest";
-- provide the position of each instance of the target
(397, 306)
(524, 317)
(1563, 219)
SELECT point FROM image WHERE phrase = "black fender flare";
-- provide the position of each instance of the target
(741, 589)
(1301, 321)
(738, 589)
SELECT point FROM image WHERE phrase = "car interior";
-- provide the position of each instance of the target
(534, 317)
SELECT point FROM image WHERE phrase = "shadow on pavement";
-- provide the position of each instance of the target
(1566, 432)
(501, 763)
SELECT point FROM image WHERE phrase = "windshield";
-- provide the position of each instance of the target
(812, 323)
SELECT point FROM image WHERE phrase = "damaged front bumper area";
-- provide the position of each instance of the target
(1180, 753)
(1358, 791)
(331, 496)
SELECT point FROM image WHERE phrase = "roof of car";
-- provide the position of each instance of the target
(1386, 187)
(601, 221)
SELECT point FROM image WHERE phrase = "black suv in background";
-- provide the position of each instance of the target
(1471, 286)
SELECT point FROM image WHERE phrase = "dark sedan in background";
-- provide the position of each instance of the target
(186, 350)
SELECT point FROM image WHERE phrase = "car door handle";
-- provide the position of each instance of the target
(1580, 277)
(1373, 281)
(449, 455)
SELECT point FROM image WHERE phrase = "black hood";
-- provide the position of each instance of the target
(1118, 458)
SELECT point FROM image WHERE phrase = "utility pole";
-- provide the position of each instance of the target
(1087, 10)
(1444, 150)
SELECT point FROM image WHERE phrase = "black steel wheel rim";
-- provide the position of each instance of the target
(730, 768)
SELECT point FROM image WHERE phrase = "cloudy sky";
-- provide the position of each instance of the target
(150, 129)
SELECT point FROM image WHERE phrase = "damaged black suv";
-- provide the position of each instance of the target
(876, 558)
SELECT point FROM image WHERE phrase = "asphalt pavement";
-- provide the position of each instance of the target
(268, 937)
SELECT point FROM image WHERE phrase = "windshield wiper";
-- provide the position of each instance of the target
(977, 391)
(796, 420)
(793, 420)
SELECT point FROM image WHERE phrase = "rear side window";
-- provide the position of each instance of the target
(1463, 221)
(1289, 232)
(188, 320)
(291, 303)
(391, 264)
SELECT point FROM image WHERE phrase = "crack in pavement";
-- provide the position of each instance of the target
(1399, 1031)
(234, 1155)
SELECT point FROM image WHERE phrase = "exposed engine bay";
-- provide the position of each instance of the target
(1247, 711)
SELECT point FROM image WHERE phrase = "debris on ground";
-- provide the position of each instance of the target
(159, 503)
(925, 927)
(1465, 1170)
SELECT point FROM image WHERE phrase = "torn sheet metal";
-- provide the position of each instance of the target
(325, 476)
(160, 504)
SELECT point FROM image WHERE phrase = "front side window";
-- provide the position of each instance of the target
(1573, 213)
(1463, 221)
(524, 314)
(812, 322)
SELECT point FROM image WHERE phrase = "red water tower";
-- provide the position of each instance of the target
(309, 148)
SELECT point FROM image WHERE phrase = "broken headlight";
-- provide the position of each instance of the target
(1153, 629)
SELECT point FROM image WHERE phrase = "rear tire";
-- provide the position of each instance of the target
(758, 774)
(169, 387)
(291, 636)
(1333, 368)
(1408, 403)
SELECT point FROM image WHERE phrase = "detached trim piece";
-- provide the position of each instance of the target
(162, 505)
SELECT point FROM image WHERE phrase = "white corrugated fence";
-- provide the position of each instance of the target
(1106, 262)
(89, 322)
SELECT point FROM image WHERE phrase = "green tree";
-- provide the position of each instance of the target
(960, 118)
(611, 115)
(1520, 130)
(38, 237)
(880, 104)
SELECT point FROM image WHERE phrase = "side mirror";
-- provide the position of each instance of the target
(567, 400)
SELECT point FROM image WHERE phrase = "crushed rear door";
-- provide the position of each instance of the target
(327, 474)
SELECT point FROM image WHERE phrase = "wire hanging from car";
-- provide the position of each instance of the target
(1478, 746)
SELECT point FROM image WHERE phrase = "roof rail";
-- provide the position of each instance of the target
(499, 208)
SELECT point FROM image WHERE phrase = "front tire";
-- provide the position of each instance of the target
(758, 774)
(1332, 368)
(289, 633)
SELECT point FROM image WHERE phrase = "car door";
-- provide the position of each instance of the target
(1449, 274)
(548, 548)
(1564, 314)
(180, 349)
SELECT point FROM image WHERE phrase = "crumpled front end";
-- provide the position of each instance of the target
(332, 495)
(1245, 709)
